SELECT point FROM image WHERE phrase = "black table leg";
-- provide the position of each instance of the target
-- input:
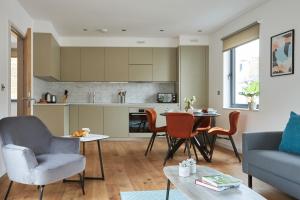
(101, 165)
(168, 189)
(201, 149)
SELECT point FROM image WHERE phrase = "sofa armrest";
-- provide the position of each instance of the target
(65, 145)
(19, 161)
(259, 141)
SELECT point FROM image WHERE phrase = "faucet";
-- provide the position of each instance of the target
(94, 97)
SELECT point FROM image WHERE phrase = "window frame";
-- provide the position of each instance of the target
(232, 79)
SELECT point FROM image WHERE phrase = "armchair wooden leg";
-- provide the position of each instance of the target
(41, 192)
(250, 181)
(234, 148)
(8, 190)
(82, 183)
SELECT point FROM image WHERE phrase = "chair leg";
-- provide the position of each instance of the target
(150, 142)
(249, 181)
(234, 148)
(153, 142)
(8, 190)
(195, 151)
(212, 146)
(41, 192)
(82, 183)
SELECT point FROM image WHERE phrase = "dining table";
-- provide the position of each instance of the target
(200, 144)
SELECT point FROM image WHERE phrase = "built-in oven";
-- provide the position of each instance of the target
(138, 124)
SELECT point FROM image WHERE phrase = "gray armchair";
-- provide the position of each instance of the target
(33, 156)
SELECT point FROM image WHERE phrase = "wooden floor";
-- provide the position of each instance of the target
(126, 169)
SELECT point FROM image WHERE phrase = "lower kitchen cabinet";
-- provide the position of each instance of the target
(91, 116)
(116, 121)
(55, 117)
(73, 118)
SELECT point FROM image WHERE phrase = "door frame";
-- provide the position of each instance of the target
(23, 104)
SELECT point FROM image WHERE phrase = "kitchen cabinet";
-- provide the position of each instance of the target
(164, 64)
(140, 56)
(91, 116)
(140, 73)
(116, 121)
(46, 57)
(55, 117)
(73, 118)
(70, 63)
(92, 64)
(116, 64)
(193, 74)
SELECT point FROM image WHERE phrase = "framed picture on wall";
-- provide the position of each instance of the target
(282, 53)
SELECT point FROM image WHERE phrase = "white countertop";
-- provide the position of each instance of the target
(105, 104)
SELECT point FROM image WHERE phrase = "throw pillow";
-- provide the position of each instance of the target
(290, 141)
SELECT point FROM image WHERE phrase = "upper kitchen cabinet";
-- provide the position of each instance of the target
(193, 74)
(70, 63)
(164, 64)
(92, 64)
(140, 73)
(140, 56)
(116, 64)
(46, 57)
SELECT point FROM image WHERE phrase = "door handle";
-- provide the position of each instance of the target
(2, 87)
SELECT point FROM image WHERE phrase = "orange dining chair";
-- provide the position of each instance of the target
(151, 118)
(180, 130)
(216, 132)
(204, 128)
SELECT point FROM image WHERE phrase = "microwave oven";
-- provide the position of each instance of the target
(166, 98)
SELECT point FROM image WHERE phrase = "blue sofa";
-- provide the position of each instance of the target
(263, 160)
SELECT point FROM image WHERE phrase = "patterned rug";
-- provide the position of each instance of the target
(152, 195)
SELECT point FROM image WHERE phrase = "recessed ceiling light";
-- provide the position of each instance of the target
(199, 31)
(102, 30)
(85, 29)
(161, 30)
(124, 30)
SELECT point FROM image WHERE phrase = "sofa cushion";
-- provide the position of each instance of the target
(54, 167)
(290, 141)
(279, 163)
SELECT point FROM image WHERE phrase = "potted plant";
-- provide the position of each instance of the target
(188, 102)
(251, 90)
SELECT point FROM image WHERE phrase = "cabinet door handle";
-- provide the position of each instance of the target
(2, 87)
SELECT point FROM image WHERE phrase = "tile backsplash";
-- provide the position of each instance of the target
(105, 92)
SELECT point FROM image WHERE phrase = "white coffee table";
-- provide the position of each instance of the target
(92, 138)
(188, 187)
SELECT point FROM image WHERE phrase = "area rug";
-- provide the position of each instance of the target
(152, 195)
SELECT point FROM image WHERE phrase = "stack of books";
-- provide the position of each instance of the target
(219, 182)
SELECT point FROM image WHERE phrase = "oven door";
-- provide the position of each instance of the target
(138, 123)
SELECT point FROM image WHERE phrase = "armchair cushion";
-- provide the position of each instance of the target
(65, 145)
(55, 167)
(19, 161)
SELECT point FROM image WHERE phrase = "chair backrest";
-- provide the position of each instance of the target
(151, 118)
(180, 125)
(233, 120)
(26, 131)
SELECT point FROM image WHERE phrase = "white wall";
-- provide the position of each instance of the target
(279, 95)
(10, 13)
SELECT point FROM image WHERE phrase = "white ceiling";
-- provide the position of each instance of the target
(141, 18)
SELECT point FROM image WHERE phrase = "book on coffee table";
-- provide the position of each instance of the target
(221, 180)
(218, 189)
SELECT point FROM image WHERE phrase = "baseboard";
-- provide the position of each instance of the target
(3, 177)
(228, 146)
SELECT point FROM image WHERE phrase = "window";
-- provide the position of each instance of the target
(241, 65)
(244, 68)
